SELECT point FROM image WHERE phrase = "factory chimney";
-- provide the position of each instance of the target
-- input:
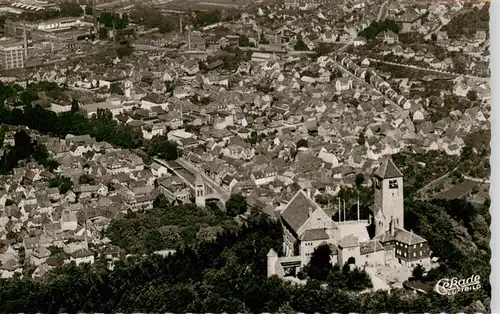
(340, 210)
(94, 17)
(189, 32)
(358, 208)
(180, 22)
(344, 211)
(25, 41)
(114, 35)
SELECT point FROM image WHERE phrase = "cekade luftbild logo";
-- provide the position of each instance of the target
(453, 286)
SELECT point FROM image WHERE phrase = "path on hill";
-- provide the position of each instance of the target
(430, 184)
(411, 66)
(378, 283)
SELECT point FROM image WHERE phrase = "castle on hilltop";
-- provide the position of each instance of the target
(306, 226)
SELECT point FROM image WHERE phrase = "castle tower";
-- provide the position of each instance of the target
(199, 191)
(389, 198)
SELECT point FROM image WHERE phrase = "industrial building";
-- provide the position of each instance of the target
(12, 54)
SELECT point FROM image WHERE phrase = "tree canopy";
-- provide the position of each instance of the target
(320, 264)
(302, 143)
(25, 149)
(244, 41)
(64, 184)
(236, 205)
(324, 49)
(165, 227)
(151, 18)
(204, 18)
(468, 21)
(160, 146)
(375, 28)
(111, 20)
(300, 46)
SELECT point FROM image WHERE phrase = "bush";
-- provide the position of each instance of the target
(320, 266)
(302, 143)
(300, 46)
(236, 205)
(375, 28)
(418, 272)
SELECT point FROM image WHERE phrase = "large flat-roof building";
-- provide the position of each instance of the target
(91, 109)
(34, 5)
(16, 28)
(11, 54)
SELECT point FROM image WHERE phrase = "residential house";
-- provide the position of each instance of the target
(153, 100)
(343, 84)
(151, 130)
(82, 256)
(409, 21)
(190, 67)
(158, 170)
(264, 176)
(39, 256)
(480, 35)
(221, 120)
(460, 89)
(10, 268)
(390, 37)
(238, 152)
(328, 157)
(69, 221)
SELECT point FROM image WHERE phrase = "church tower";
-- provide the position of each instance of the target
(199, 190)
(389, 198)
(128, 89)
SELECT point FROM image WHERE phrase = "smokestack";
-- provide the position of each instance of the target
(94, 17)
(189, 37)
(340, 210)
(344, 210)
(258, 36)
(358, 209)
(86, 240)
(180, 22)
(25, 40)
(181, 113)
(114, 33)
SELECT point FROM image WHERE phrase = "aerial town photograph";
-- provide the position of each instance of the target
(245, 156)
